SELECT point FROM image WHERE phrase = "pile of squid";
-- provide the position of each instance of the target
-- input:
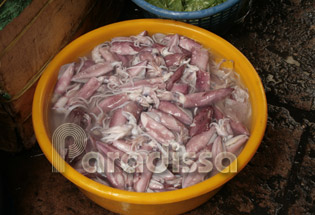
(144, 94)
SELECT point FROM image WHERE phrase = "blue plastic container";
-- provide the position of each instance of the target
(218, 18)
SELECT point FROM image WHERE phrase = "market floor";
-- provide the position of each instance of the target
(278, 38)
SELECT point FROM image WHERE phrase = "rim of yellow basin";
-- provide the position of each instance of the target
(84, 44)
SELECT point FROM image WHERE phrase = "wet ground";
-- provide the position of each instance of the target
(278, 37)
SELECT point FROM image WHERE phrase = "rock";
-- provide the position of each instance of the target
(290, 60)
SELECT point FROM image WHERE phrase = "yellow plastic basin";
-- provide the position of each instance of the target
(172, 202)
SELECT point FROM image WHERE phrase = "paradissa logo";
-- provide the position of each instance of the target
(156, 162)
(173, 156)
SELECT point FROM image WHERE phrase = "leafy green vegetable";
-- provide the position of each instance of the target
(185, 5)
(175, 5)
(194, 5)
(159, 3)
(11, 9)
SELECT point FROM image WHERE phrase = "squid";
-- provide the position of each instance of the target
(144, 103)
(174, 59)
(172, 124)
(204, 99)
(88, 89)
(156, 130)
(123, 48)
(118, 118)
(64, 80)
(175, 77)
(180, 88)
(203, 81)
(188, 43)
(200, 58)
(108, 55)
(182, 115)
(235, 144)
(200, 141)
(93, 71)
(201, 121)
(110, 103)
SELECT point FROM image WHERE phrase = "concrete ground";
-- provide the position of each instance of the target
(278, 37)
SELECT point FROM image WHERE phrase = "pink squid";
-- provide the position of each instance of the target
(200, 141)
(123, 48)
(182, 115)
(110, 103)
(64, 80)
(203, 81)
(201, 121)
(180, 88)
(118, 117)
(155, 129)
(93, 71)
(175, 77)
(200, 58)
(203, 99)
